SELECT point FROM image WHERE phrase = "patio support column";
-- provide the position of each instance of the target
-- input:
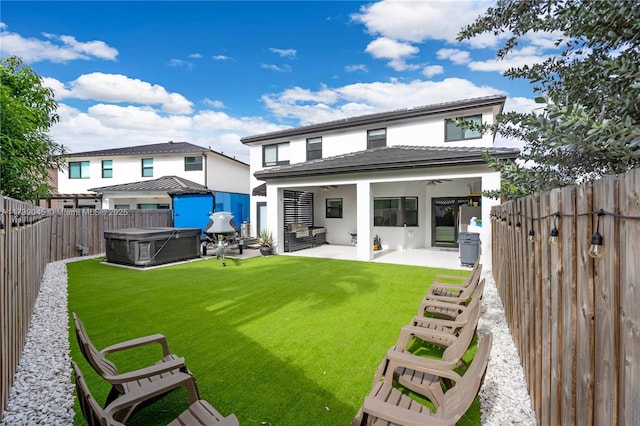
(490, 182)
(275, 219)
(363, 215)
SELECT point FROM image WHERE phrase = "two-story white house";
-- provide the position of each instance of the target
(412, 177)
(145, 176)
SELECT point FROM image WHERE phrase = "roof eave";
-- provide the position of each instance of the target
(397, 115)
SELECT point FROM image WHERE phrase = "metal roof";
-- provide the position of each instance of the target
(171, 184)
(386, 159)
(383, 117)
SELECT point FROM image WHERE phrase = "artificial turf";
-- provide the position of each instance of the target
(278, 340)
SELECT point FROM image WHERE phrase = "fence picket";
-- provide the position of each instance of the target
(41, 236)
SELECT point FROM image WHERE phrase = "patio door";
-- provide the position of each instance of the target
(445, 213)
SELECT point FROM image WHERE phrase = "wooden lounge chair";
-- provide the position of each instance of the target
(452, 285)
(124, 383)
(200, 412)
(409, 369)
(449, 307)
(386, 405)
(441, 332)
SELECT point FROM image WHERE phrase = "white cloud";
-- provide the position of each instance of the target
(457, 56)
(417, 21)
(213, 103)
(274, 67)
(118, 88)
(55, 48)
(195, 55)
(355, 68)
(362, 98)
(180, 63)
(431, 70)
(397, 52)
(221, 58)
(284, 53)
(108, 125)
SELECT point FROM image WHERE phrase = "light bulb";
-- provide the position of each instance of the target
(596, 250)
(553, 237)
(518, 226)
(532, 236)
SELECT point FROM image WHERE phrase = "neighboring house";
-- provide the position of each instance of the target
(407, 176)
(146, 176)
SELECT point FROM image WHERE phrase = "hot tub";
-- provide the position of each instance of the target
(151, 246)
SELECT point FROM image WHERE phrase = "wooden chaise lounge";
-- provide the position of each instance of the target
(124, 383)
(199, 412)
(386, 405)
(413, 371)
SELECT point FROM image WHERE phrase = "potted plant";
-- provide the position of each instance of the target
(266, 242)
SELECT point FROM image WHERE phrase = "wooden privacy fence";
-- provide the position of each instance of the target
(31, 237)
(574, 319)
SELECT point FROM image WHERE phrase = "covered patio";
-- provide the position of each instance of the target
(430, 257)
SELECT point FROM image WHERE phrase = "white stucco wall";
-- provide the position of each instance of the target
(225, 174)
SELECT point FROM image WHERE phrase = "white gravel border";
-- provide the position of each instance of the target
(43, 394)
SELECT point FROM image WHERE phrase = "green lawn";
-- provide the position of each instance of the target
(277, 340)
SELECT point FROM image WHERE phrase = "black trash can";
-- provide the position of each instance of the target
(469, 243)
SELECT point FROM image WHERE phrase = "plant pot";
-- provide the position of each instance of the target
(266, 250)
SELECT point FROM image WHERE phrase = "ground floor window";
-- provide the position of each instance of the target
(395, 211)
(334, 208)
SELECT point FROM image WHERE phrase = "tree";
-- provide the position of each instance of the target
(27, 111)
(589, 123)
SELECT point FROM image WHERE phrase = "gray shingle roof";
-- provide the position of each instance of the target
(382, 117)
(385, 159)
(170, 184)
(156, 148)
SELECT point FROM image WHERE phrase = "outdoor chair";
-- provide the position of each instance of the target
(200, 412)
(452, 285)
(124, 383)
(450, 307)
(441, 332)
(386, 405)
(409, 369)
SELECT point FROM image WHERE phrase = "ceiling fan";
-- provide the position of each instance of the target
(328, 187)
(437, 181)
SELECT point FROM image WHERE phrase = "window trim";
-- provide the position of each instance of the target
(317, 141)
(107, 169)
(464, 137)
(278, 162)
(329, 214)
(80, 165)
(377, 141)
(402, 212)
(147, 167)
(194, 164)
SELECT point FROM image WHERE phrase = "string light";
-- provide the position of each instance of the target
(553, 236)
(596, 250)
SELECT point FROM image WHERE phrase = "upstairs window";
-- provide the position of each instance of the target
(454, 132)
(107, 169)
(147, 167)
(192, 163)
(275, 155)
(314, 148)
(376, 138)
(78, 170)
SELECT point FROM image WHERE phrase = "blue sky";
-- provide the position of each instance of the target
(211, 72)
